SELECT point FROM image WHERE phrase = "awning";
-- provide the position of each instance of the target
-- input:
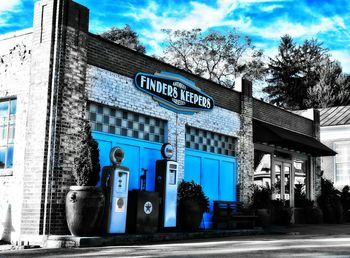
(271, 134)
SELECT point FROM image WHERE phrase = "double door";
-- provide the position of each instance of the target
(282, 182)
(140, 157)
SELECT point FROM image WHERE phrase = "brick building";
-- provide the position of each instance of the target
(57, 74)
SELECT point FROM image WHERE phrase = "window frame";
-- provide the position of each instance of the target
(9, 171)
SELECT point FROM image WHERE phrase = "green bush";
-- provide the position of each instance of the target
(300, 199)
(87, 164)
(261, 198)
(193, 191)
(330, 203)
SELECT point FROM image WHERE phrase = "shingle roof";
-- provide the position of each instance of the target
(335, 116)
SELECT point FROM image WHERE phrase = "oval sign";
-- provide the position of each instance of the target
(174, 92)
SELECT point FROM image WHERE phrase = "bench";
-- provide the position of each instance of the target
(230, 215)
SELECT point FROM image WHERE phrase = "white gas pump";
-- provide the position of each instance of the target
(115, 180)
(166, 185)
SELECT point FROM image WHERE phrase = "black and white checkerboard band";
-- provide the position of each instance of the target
(211, 142)
(122, 122)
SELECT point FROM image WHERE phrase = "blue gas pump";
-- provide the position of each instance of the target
(166, 185)
(115, 181)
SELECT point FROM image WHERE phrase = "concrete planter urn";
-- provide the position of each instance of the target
(313, 215)
(190, 215)
(192, 205)
(85, 202)
(264, 217)
(84, 210)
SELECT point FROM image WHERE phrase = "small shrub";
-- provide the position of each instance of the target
(193, 191)
(330, 203)
(300, 199)
(87, 164)
(261, 198)
(345, 200)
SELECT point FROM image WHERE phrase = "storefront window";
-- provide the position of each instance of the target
(262, 168)
(277, 182)
(7, 132)
(300, 184)
(342, 162)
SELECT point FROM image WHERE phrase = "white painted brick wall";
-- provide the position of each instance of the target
(14, 83)
(119, 91)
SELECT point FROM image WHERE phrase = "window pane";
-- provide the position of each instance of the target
(7, 132)
(342, 162)
(11, 132)
(4, 109)
(13, 107)
(3, 135)
(2, 157)
(9, 162)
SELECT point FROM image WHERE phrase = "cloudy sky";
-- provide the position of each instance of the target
(263, 20)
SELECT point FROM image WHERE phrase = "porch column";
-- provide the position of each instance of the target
(245, 148)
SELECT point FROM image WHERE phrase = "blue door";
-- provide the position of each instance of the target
(139, 154)
(217, 175)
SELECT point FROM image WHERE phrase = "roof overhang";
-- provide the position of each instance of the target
(278, 136)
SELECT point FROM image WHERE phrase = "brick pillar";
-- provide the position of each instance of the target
(55, 111)
(37, 118)
(245, 148)
(316, 161)
(70, 109)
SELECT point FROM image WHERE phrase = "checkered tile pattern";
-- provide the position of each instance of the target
(117, 121)
(211, 142)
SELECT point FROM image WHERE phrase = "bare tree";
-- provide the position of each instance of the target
(215, 56)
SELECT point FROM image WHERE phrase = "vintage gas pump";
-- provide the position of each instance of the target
(115, 181)
(166, 185)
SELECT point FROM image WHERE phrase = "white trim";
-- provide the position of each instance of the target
(15, 34)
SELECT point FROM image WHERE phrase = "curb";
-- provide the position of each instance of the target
(56, 241)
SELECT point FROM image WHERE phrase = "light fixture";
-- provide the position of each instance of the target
(319, 172)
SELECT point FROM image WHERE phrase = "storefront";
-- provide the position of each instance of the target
(138, 103)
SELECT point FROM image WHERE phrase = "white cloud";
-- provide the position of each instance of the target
(8, 5)
(270, 8)
(282, 27)
(205, 16)
(262, 1)
(199, 15)
(344, 57)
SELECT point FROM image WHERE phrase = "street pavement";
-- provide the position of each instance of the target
(299, 241)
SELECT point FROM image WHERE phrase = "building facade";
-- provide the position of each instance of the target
(57, 75)
(335, 133)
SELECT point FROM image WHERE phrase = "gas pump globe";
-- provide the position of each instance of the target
(115, 181)
(166, 185)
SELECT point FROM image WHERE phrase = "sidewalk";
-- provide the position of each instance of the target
(320, 229)
(131, 239)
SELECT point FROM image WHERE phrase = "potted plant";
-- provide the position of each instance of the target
(330, 202)
(345, 200)
(192, 203)
(85, 201)
(261, 203)
(305, 210)
(300, 203)
(281, 213)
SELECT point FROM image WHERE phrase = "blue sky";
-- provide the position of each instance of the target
(263, 20)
